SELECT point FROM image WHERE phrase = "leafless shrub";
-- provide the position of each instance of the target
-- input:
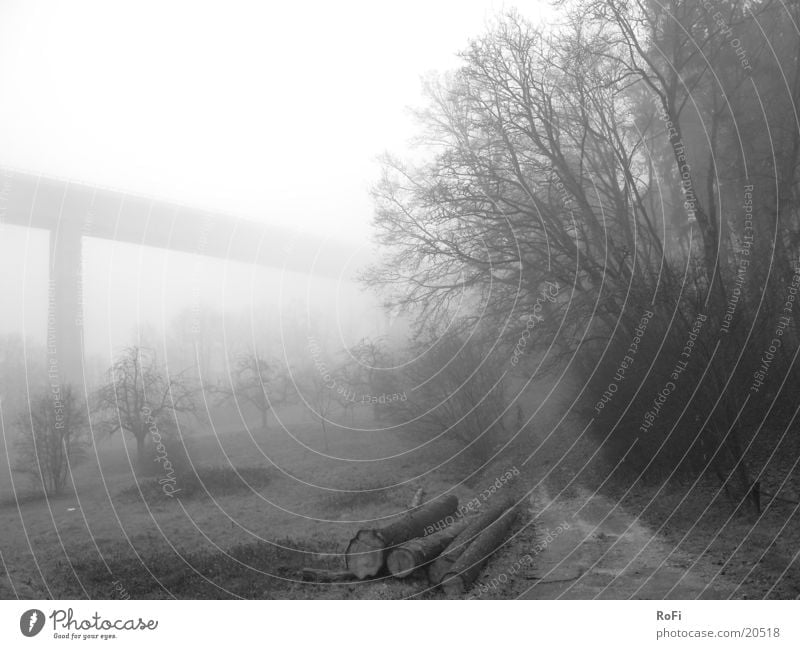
(141, 399)
(52, 438)
(453, 387)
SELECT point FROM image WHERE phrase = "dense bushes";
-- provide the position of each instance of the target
(52, 438)
(455, 390)
(583, 159)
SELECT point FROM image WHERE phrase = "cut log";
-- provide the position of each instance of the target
(366, 552)
(416, 553)
(474, 527)
(463, 572)
(321, 575)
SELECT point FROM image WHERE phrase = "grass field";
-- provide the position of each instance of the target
(255, 508)
(258, 506)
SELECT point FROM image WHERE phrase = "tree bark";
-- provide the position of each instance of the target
(416, 501)
(416, 553)
(457, 580)
(460, 543)
(141, 448)
(325, 434)
(320, 575)
(366, 553)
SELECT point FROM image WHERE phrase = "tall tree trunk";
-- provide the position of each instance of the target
(141, 450)
(750, 487)
(325, 434)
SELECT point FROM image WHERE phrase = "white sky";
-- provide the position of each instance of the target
(272, 110)
(275, 111)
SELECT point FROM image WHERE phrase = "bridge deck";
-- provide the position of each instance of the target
(61, 205)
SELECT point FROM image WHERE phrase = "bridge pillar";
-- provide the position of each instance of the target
(65, 308)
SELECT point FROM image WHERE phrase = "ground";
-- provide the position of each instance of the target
(607, 553)
(300, 509)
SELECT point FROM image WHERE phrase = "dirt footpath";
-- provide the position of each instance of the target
(588, 548)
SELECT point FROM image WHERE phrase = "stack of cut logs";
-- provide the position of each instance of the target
(453, 554)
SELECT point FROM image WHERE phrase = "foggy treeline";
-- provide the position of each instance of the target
(641, 162)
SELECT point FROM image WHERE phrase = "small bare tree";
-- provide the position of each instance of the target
(140, 399)
(52, 438)
(259, 383)
(362, 375)
(319, 392)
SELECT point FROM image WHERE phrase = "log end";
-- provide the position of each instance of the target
(453, 585)
(364, 556)
(401, 562)
(438, 569)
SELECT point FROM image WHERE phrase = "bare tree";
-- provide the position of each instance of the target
(52, 438)
(536, 177)
(141, 399)
(591, 158)
(363, 375)
(319, 391)
(259, 383)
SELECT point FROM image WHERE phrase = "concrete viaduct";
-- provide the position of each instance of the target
(71, 211)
